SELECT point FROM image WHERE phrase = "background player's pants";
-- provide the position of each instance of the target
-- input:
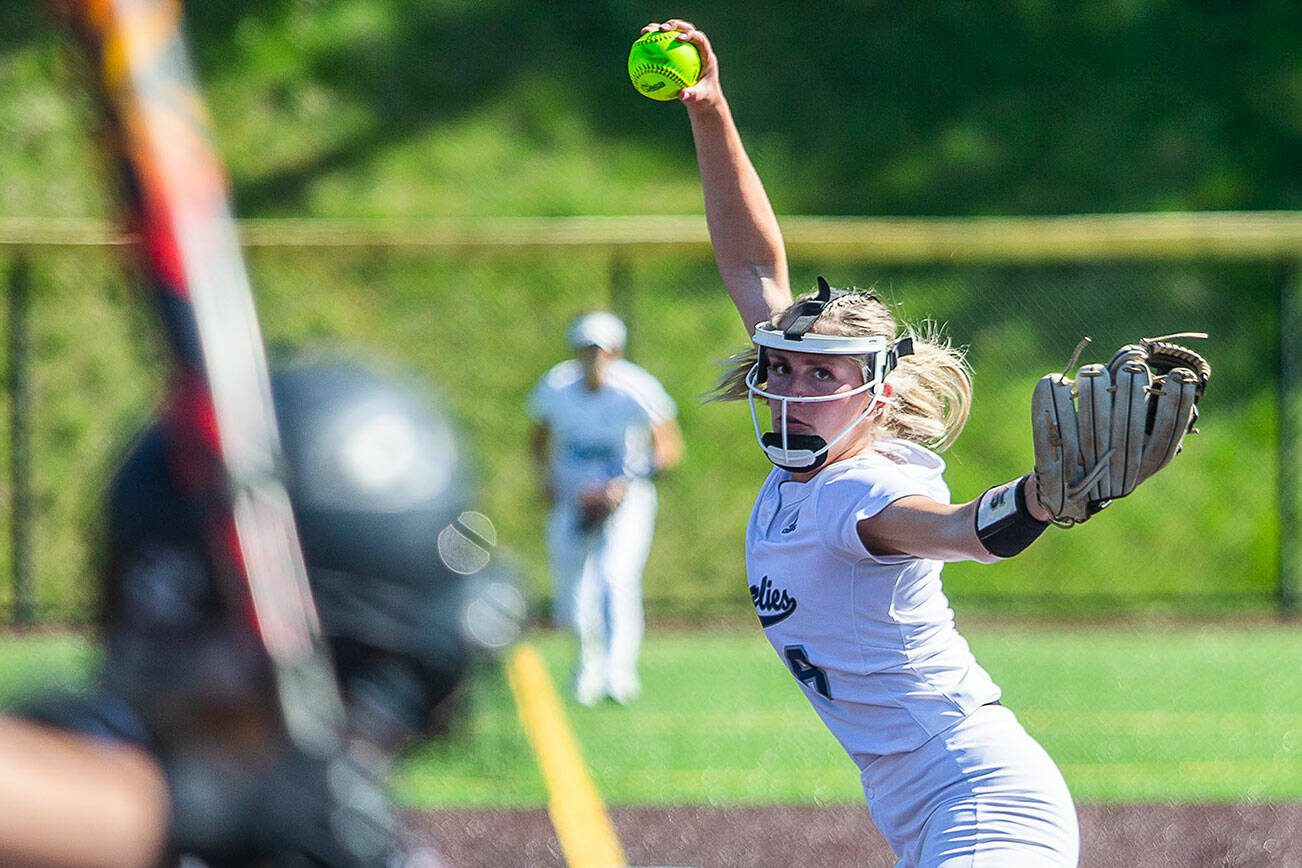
(601, 571)
(982, 794)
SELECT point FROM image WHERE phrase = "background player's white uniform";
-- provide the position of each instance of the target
(595, 436)
(873, 643)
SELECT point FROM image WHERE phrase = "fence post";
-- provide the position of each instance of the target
(1290, 435)
(621, 292)
(20, 414)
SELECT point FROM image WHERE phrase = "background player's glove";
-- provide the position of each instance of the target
(1115, 425)
(595, 506)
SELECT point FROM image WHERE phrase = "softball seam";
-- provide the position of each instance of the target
(667, 71)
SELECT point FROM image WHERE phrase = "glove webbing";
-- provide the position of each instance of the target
(1164, 356)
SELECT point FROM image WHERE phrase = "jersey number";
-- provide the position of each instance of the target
(806, 671)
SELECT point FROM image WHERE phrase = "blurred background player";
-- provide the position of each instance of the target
(175, 749)
(603, 428)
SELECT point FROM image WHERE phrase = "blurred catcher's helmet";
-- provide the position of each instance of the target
(397, 565)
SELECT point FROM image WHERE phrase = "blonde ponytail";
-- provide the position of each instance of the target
(931, 391)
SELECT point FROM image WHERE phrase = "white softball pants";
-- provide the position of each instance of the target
(600, 572)
(982, 794)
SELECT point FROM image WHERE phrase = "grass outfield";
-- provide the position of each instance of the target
(1132, 714)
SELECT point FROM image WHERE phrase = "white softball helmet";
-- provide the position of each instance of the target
(877, 355)
(598, 328)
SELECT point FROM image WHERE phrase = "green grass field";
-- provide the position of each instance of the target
(1131, 714)
(1135, 713)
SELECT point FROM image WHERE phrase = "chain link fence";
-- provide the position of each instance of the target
(480, 308)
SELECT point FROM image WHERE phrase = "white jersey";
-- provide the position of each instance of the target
(598, 435)
(871, 639)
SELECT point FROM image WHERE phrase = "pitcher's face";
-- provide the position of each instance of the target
(809, 375)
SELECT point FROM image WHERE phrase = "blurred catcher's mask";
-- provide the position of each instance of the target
(877, 358)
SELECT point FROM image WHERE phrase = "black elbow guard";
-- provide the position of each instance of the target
(1003, 523)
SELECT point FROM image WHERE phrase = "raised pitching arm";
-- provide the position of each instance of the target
(748, 246)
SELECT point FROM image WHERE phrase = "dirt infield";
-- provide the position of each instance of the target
(1111, 837)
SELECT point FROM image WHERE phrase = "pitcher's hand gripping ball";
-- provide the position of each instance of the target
(1115, 425)
(660, 66)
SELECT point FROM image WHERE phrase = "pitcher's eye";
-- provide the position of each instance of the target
(779, 367)
(822, 373)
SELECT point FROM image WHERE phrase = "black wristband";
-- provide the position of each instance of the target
(1003, 523)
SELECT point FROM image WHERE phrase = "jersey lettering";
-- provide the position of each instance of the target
(805, 671)
(777, 603)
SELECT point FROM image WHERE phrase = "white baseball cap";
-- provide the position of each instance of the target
(597, 329)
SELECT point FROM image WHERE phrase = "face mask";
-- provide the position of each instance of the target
(797, 452)
(877, 357)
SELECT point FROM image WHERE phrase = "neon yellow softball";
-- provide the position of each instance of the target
(660, 66)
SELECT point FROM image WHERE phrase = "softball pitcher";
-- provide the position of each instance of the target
(845, 544)
(603, 427)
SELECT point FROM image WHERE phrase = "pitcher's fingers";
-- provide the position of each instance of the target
(671, 24)
(708, 81)
(703, 47)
